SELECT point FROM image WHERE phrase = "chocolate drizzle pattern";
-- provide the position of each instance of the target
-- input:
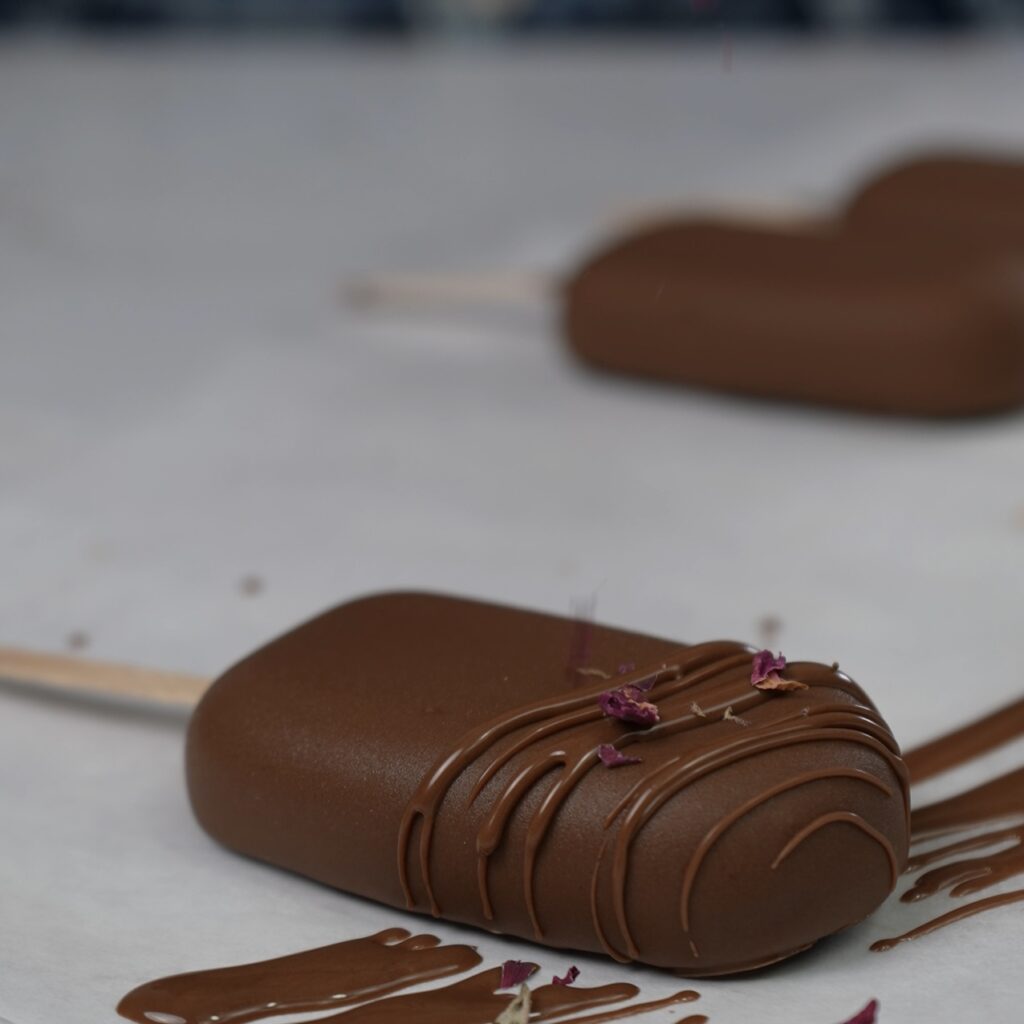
(360, 977)
(557, 739)
(1000, 850)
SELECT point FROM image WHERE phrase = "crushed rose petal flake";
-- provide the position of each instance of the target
(515, 972)
(780, 684)
(869, 1015)
(611, 757)
(568, 978)
(596, 672)
(764, 673)
(627, 704)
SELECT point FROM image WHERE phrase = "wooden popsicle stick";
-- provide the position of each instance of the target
(485, 288)
(85, 676)
(442, 289)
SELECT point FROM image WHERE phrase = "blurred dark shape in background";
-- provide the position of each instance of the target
(514, 15)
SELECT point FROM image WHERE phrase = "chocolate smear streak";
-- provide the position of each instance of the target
(338, 976)
(970, 741)
(360, 977)
(999, 851)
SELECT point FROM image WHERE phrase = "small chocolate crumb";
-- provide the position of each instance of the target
(251, 585)
(835, 666)
(596, 672)
(697, 709)
(768, 629)
(77, 640)
(730, 717)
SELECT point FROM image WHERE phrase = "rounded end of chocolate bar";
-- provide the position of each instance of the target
(969, 197)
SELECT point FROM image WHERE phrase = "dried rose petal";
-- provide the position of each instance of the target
(517, 1011)
(866, 1016)
(729, 716)
(599, 673)
(570, 976)
(774, 682)
(611, 757)
(765, 673)
(628, 705)
(515, 972)
(766, 664)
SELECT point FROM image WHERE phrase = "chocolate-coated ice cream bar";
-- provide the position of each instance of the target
(819, 316)
(705, 808)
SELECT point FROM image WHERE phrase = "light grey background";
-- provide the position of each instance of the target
(185, 403)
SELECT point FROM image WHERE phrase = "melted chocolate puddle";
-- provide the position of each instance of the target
(1000, 850)
(359, 978)
(330, 977)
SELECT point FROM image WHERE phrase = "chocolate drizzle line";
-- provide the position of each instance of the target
(957, 914)
(954, 748)
(559, 737)
(359, 978)
(1001, 850)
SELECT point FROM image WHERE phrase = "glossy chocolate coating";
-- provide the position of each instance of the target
(436, 753)
(859, 320)
(956, 198)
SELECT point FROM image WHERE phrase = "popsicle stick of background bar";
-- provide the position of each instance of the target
(454, 289)
(82, 675)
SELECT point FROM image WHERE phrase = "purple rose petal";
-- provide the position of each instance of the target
(515, 972)
(570, 976)
(869, 1015)
(628, 705)
(611, 757)
(765, 673)
(766, 664)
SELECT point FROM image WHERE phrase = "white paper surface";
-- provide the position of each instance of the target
(183, 404)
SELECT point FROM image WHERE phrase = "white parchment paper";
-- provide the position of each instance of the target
(183, 404)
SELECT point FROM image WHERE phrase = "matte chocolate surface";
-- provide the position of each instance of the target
(442, 755)
(959, 198)
(875, 322)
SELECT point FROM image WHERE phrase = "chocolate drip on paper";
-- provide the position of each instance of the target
(999, 852)
(330, 977)
(359, 978)
(964, 744)
(556, 739)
